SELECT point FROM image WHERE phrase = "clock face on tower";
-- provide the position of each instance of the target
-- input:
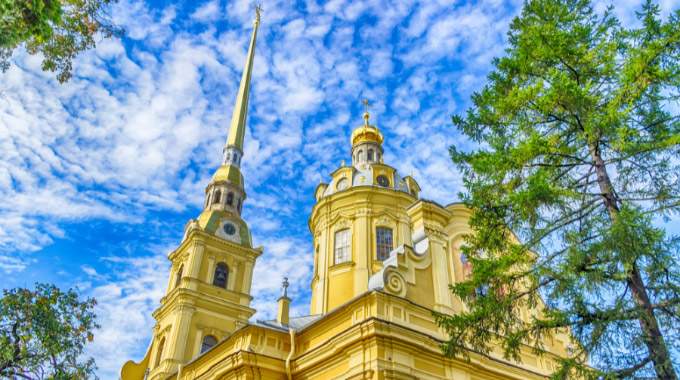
(229, 230)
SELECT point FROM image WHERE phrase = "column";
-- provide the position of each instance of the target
(440, 272)
(180, 333)
(194, 263)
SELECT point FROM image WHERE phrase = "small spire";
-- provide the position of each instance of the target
(283, 313)
(284, 287)
(366, 114)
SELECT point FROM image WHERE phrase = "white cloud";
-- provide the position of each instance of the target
(125, 302)
(207, 12)
(380, 64)
(10, 264)
(97, 145)
(285, 257)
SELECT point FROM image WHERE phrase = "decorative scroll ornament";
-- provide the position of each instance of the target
(394, 282)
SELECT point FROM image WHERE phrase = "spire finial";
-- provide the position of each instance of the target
(258, 12)
(366, 115)
(284, 287)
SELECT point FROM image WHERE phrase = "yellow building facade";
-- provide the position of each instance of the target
(383, 261)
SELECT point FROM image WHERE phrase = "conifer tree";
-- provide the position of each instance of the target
(576, 166)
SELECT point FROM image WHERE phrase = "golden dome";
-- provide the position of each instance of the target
(366, 133)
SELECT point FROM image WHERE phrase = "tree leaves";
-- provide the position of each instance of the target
(57, 29)
(578, 153)
(43, 333)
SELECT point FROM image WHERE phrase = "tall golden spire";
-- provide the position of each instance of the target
(237, 129)
(226, 189)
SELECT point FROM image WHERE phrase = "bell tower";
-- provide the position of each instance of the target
(208, 294)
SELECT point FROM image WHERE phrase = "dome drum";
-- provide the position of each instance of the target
(367, 153)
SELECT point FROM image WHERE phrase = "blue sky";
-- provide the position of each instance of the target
(99, 176)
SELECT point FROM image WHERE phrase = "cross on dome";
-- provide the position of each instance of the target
(366, 114)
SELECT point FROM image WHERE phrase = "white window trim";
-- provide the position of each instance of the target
(347, 245)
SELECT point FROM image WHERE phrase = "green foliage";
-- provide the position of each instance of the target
(43, 333)
(57, 29)
(578, 155)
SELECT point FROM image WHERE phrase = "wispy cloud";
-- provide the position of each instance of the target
(125, 301)
(210, 11)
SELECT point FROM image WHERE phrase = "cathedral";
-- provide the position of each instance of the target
(383, 260)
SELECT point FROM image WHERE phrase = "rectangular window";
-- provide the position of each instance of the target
(383, 243)
(342, 246)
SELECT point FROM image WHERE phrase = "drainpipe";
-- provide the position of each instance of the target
(291, 332)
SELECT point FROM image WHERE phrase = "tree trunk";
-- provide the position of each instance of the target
(651, 333)
(650, 327)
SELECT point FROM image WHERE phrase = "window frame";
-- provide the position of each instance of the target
(159, 351)
(219, 265)
(465, 266)
(379, 244)
(346, 247)
(178, 275)
(204, 346)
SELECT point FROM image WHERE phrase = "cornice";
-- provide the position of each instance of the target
(197, 235)
(364, 195)
(188, 297)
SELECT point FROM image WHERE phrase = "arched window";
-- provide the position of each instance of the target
(383, 243)
(370, 154)
(209, 342)
(207, 201)
(159, 352)
(360, 155)
(178, 276)
(239, 205)
(221, 275)
(466, 265)
(342, 246)
(230, 198)
(218, 195)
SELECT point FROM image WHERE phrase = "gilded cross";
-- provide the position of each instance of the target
(365, 103)
(366, 116)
